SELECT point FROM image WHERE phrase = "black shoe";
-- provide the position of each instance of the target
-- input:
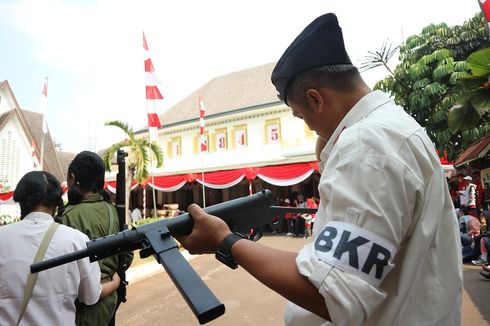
(485, 274)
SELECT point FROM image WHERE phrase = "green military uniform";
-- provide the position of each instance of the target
(91, 216)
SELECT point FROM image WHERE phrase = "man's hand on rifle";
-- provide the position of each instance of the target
(207, 234)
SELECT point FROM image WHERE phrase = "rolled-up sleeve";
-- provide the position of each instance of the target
(368, 202)
(349, 299)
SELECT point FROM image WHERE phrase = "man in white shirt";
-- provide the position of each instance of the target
(386, 247)
(136, 214)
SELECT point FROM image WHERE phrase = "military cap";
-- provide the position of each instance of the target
(320, 44)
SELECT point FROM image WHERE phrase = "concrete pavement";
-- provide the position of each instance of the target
(475, 305)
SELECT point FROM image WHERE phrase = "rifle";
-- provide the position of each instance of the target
(123, 259)
(241, 214)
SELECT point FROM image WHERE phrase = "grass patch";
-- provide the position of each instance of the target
(140, 261)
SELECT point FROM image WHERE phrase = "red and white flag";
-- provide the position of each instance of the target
(153, 94)
(202, 139)
(44, 104)
(33, 153)
(485, 8)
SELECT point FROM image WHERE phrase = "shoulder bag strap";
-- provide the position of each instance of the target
(111, 223)
(32, 278)
(111, 218)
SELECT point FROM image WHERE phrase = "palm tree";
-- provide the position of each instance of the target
(138, 157)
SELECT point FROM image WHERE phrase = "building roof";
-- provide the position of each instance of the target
(475, 151)
(236, 90)
(52, 162)
(4, 117)
(31, 123)
(65, 160)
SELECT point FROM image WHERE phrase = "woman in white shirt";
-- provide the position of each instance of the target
(53, 296)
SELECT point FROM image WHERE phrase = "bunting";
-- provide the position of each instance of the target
(153, 94)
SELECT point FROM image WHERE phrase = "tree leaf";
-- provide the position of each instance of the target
(480, 99)
(462, 117)
(470, 82)
(479, 62)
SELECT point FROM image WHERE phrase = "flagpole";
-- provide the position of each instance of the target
(42, 152)
(202, 112)
(152, 175)
(152, 94)
(202, 175)
(43, 122)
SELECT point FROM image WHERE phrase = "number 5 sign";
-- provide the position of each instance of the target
(273, 133)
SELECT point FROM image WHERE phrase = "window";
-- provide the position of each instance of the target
(220, 140)
(9, 159)
(201, 145)
(174, 147)
(272, 131)
(240, 136)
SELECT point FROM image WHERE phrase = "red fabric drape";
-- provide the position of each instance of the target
(288, 171)
(221, 177)
(282, 175)
(6, 196)
(250, 173)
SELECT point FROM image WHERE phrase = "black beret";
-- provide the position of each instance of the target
(89, 170)
(320, 44)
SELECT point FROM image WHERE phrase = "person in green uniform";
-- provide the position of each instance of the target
(90, 212)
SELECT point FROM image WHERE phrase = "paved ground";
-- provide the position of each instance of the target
(476, 302)
(154, 300)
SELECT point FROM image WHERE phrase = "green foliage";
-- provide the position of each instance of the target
(428, 80)
(474, 96)
(7, 219)
(147, 220)
(139, 151)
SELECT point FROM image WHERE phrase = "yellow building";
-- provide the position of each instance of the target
(252, 141)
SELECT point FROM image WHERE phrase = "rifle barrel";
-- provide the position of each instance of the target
(60, 260)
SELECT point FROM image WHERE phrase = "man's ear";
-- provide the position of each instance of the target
(315, 99)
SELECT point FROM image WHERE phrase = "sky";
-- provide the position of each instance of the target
(91, 50)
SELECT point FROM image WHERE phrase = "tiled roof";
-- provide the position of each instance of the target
(475, 151)
(240, 89)
(65, 160)
(51, 160)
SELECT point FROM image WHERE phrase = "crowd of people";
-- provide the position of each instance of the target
(471, 202)
(297, 224)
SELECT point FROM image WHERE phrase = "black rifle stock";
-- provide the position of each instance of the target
(241, 215)
(123, 259)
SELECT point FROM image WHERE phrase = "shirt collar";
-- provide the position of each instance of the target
(38, 217)
(361, 110)
(92, 198)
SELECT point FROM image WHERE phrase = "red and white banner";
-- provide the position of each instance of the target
(153, 94)
(44, 104)
(203, 143)
(485, 8)
(33, 153)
